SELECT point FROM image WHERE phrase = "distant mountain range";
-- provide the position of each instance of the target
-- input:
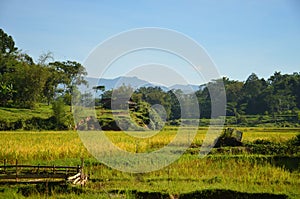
(137, 83)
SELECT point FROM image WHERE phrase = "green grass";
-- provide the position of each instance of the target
(279, 120)
(40, 118)
(244, 172)
(14, 114)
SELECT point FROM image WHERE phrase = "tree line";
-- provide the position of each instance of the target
(279, 94)
(24, 83)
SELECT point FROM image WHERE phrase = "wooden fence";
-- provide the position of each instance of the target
(19, 173)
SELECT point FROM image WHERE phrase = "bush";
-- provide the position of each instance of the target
(156, 123)
(266, 147)
(37, 123)
(34, 123)
(7, 125)
(109, 124)
(229, 137)
(295, 141)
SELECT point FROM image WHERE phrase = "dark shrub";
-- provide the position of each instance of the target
(229, 137)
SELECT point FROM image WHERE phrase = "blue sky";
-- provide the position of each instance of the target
(260, 36)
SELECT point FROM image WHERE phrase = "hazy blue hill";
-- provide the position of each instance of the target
(135, 83)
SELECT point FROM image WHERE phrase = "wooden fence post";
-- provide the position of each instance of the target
(17, 170)
(78, 168)
(81, 169)
(4, 162)
(27, 172)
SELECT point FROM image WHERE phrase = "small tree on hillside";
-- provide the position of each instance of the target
(58, 108)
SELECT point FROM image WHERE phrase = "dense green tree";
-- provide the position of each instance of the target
(7, 52)
(204, 102)
(25, 83)
(295, 87)
(105, 101)
(155, 95)
(175, 112)
(121, 96)
(59, 113)
(281, 96)
(70, 75)
(29, 81)
(7, 44)
(251, 95)
(216, 89)
(233, 95)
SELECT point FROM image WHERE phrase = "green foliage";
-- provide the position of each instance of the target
(278, 95)
(295, 141)
(155, 120)
(40, 118)
(266, 147)
(70, 74)
(146, 116)
(34, 123)
(277, 120)
(7, 44)
(37, 123)
(23, 83)
(58, 108)
(6, 93)
(28, 80)
(109, 123)
(153, 96)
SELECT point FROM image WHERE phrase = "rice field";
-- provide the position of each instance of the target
(251, 173)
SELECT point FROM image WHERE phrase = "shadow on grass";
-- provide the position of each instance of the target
(49, 189)
(229, 194)
(205, 194)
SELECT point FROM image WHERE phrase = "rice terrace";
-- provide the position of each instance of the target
(147, 114)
